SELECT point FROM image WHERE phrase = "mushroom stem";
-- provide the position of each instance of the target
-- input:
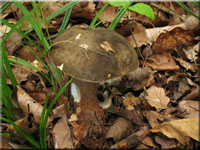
(88, 93)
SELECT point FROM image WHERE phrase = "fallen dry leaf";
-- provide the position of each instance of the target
(26, 124)
(176, 37)
(119, 129)
(108, 14)
(132, 140)
(132, 115)
(139, 35)
(130, 101)
(178, 85)
(157, 98)
(165, 142)
(148, 141)
(21, 74)
(195, 94)
(13, 43)
(189, 108)
(162, 61)
(84, 10)
(26, 101)
(62, 133)
(152, 117)
(192, 53)
(181, 129)
(5, 143)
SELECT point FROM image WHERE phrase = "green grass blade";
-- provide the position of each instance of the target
(62, 9)
(27, 136)
(34, 24)
(66, 20)
(14, 28)
(187, 9)
(9, 113)
(118, 17)
(5, 134)
(4, 6)
(196, 3)
(42, 128)
(8, 67)
(92, 24)
(24, 62)
(53, 102)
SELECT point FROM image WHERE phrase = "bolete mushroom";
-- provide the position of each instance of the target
(91, 56)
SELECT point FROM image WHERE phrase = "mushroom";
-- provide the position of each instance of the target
(92, 56)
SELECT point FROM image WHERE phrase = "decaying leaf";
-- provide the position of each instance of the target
(62, 133)
(162, 61)
(25, 102)
(157, 98)
(119, 130)
(181, 129)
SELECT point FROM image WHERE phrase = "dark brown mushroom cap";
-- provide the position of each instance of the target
(93, 54)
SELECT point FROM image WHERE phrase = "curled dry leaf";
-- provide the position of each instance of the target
(119, 130)
(187, 65)
(195, 94)
(61, 132)
(181, 129)
(157, 98)
(173, 38)
(162, 61)
(25, 102)
(192, 52)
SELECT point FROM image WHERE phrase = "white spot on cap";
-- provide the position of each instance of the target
(84, 46)
(78, 36)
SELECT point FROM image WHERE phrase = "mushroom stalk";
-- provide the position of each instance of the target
(88, 92)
